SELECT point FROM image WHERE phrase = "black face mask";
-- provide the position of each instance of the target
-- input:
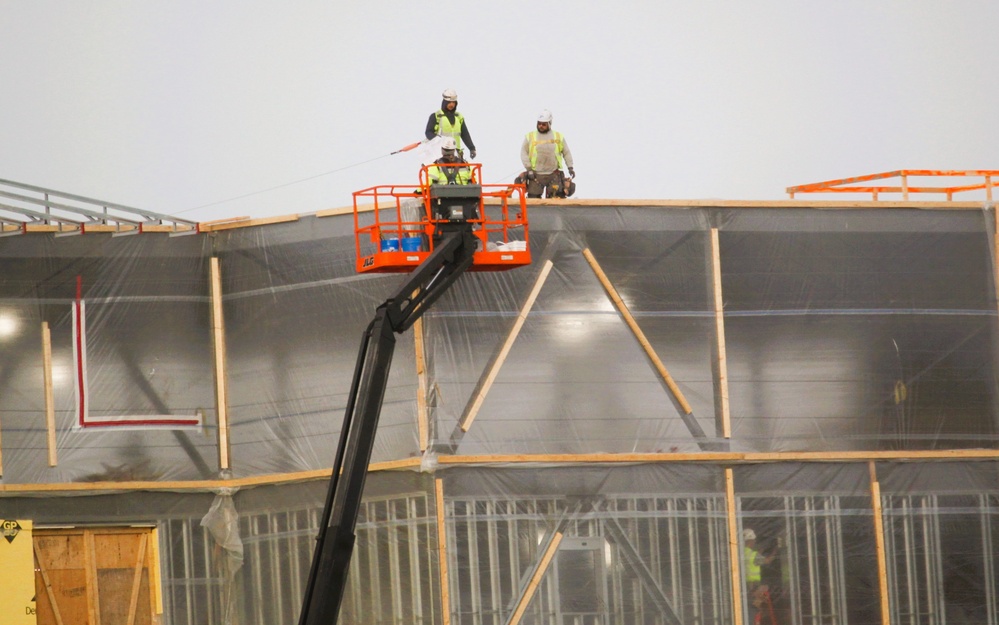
(449, 156)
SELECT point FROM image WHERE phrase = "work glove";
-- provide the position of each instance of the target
(572, 172)
(472, 154)
(531, 174)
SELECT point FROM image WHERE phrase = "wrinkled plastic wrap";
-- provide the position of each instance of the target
(845, 331)
(222, 523)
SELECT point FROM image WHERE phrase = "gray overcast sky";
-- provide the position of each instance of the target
(179, 106)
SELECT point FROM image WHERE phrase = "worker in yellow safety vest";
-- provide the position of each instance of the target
(448, 122)
(450, 168)
(544, 153)
(752, 569)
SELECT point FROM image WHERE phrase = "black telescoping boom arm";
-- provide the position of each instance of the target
(453, 251)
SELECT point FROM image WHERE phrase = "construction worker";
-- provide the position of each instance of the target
(448, 122)
(450, 168)
(752, 569)
(544, 153)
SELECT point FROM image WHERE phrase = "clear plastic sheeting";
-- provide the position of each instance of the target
(842, 347)
(148, 352)
(222, 523)
(608, 544)
(843, 330)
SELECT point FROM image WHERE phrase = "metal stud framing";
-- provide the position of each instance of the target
(26, 206)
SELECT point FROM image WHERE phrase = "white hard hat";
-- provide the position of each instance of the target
(447, 143)
(748, 534)
(450, 95)
(545, 116)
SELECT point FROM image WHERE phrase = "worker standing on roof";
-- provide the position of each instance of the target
(448, 122)
(450, 168)
(544, 153)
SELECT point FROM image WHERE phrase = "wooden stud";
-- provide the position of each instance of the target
(735, 561)
(240, 222)
(422, 417)
(442, 553)
(637, 331)
(708, 457)
(480, 397)
(995, 249)
(218, 344)
(532, 586)
(50, 425)
(155, 582)
(133, 602)
(609, 203)
(723, 422)
(48, 585)
(879, 541)
(93, 590)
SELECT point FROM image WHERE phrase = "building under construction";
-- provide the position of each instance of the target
(585, 440)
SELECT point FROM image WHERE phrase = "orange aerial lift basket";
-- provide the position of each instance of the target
(395, 225)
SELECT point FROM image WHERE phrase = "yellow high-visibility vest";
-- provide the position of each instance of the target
(444, 128)
(533, 138)
(445, 173)
(753, 570)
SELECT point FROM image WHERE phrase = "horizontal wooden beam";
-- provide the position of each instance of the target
(747, 204)
(245, 223)
(14, 490)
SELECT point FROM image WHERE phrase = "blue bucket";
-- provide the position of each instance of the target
(412, 244)
(390, 245)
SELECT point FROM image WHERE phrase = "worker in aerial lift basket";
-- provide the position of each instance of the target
(450, 168)
(544, 152)
(448, 122)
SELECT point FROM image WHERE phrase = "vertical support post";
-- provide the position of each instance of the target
(905, 186)
(218, 349)
(92, 579)
(719, 361)
(442, 553)
(49, 394)
(155, 583)
(421, 386)
(995, 287)
(988, 187)
(735, 559)
(879, 541)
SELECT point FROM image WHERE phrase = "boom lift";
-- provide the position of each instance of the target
(450, 230)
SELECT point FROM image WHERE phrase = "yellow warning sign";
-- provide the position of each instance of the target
(17, 573)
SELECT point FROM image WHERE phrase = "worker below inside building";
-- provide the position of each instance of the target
(544, 153)
(753, 562)
(448, 122)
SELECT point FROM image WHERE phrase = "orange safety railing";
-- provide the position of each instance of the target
(397, 234)
(990, 179)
